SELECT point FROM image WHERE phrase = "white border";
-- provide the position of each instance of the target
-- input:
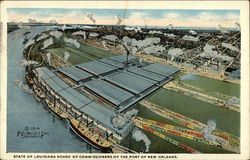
(243, 6)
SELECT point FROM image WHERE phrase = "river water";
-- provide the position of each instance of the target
(25, 116)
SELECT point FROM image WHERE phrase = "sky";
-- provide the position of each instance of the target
(150, 17)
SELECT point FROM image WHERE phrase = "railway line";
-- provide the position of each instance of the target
(232, 140)
(197, 94)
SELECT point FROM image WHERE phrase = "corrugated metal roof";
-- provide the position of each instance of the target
(56, 84)
(96, 67)
(44, 73)
(103, 115)
(112, 62)
(146, 74)
(110, 92)
(130, 81)
(161, 69)
(75, 73)
(121, 58)
(74, 97)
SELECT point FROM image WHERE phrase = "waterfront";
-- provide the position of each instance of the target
(24, 111)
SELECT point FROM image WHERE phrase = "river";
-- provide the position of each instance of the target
(26, 117)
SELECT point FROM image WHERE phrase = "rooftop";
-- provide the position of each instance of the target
(44, 73)
(130, 81)
(121, 58)
(161, 69)
(147, 74)
(74, 97)
(75, 73)
(112, 62)
(56, 84)
(103, 115)
(110, 92)
(96, 67)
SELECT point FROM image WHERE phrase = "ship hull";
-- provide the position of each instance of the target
(89, 141)
(30, 82)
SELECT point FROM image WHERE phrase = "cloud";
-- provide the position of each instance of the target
(133, 17)
(172, 16)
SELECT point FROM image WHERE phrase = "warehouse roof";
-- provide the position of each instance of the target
(121, 58)
(161, 69)
(130, 81)
(147, 74)
(74, 97)
(103, 115)
(96, 67)
(108, 91)
(44, 73)
(112, 62)
(56, 84)
(75, 73)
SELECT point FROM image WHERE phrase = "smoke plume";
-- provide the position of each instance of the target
(55, 34)
(119, 20)
(211, 53)
(30, 20)
(93, 34)
(237, 25)
(47, 43)
(192, 32)
(230, 46)
(190, 38)
(175, 52)
(104, 45)
(90, 16)
(222, 29)
(119, 121)
(188, 77)
(71, 41)
(48, 55)
(53, 21)
(25, 63)
(43, 36)
(25, 87)
(30, 42)
(139, 135)
(170, 26)
(66, 56)
(80, 33)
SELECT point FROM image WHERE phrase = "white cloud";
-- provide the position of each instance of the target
(135, 18)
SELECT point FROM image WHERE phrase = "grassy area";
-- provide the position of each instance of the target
(35, 55)
(73, 59)
(84, 54)
(157, 144)
(81, 54)
(95, 51)
(204, 92)
(214, 85)
(148, 114)
(227, 120)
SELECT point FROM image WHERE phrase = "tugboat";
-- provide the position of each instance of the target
(25, 40)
